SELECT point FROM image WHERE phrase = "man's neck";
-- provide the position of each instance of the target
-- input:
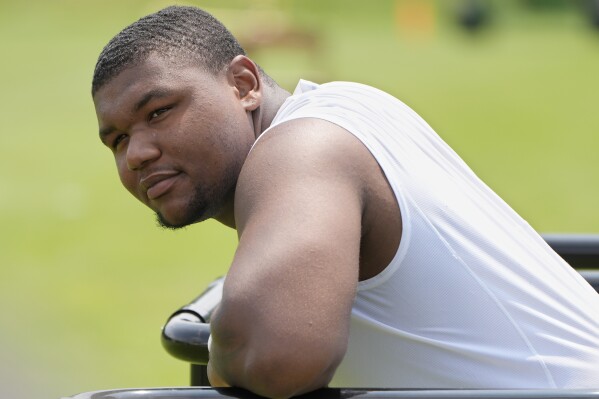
(227, 216)
(262, 117)
(273, 99)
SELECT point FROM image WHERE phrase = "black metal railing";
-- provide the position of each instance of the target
(344, 393)
(581, 251)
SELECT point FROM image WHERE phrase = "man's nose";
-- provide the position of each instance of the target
(141, 151)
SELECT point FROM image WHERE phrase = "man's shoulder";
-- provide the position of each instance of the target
(300, 163)
(306, 152)
(307, 141)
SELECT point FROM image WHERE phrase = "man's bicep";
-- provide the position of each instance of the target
(303, 237)
(299, 222)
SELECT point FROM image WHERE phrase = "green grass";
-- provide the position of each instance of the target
(86, 279)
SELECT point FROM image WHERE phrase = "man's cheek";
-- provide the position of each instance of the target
(129, 181)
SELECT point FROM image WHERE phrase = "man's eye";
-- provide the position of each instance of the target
(158, 112)
(118, 139)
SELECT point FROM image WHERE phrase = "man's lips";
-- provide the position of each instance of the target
(159, 183)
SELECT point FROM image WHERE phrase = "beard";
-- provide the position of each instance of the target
(203, 205)
(194, 215)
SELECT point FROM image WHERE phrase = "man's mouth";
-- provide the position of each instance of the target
(159, 183)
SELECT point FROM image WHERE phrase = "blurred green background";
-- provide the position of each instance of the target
(86, 279)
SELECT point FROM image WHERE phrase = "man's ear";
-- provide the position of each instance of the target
(244, 76)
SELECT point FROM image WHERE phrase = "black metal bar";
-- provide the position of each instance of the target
(206, 302)
(581, 251)
(185, 337)
(185, 334)
(198, 374)
(592, 276)
(343, 393)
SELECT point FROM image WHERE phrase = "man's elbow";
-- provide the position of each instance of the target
(282, 378)
(274, 365)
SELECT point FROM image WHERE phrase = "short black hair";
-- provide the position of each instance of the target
(177, 32)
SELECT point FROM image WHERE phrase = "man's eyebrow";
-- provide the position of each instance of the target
(105, 132)
(154, 93)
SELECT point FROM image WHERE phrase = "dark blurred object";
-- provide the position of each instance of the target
(473, 14)
(591, 9)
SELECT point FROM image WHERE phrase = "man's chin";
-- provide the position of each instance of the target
(175, 223)
(171, 224)
(181, 214)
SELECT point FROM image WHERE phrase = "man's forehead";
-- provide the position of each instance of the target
(145, 72)
(155, 75)
(158, 68)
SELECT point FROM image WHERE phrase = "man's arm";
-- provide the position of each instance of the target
(283, 324)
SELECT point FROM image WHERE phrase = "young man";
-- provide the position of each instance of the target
(369, 253)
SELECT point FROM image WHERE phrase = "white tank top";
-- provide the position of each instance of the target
(474, 298)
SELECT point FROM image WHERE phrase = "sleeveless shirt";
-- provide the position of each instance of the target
(474, 297)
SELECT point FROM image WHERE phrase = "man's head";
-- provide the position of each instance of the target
(175, 97)
(178, 33)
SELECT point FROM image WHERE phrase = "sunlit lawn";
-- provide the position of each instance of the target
(86, 278)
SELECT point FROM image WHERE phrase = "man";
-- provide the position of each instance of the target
(369, 253)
